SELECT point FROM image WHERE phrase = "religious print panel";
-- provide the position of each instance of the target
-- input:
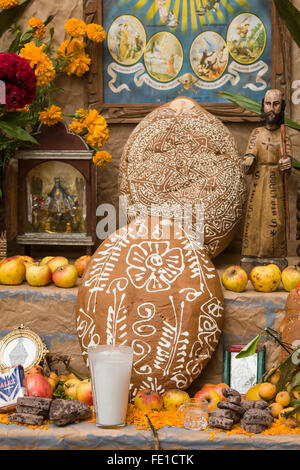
(157, 50)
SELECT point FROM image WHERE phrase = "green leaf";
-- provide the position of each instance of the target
(296, 164)
(16, 132)
(10, 16)
(247, 103)
(296, 380)
(290, 16)
(250, 348)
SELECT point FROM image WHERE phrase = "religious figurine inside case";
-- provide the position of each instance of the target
(56, 185)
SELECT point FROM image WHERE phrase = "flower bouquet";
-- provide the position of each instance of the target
(28, 71)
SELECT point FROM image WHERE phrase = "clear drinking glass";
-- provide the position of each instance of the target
(110, 368)
(193, 414)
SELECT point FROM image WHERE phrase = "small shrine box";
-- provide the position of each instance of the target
(56, 184)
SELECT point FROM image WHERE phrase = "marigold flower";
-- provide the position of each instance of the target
(77, 61)
(95, 32)
(51, 116)
(6, 4)
(96, 125)
(40, 28)
(75, 28)
(76, 126)
(102, 158)
(39, 61)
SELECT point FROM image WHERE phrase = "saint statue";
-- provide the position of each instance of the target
(268, 158)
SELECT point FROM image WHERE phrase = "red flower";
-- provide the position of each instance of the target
(19, 79)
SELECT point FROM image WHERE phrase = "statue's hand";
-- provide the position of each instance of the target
(247, 162)
(285, 164)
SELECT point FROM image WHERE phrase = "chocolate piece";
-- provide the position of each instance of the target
(32, 410)
(220, 413)
(255, 428)
(256, 416)
(26, 418)
(247, 404)
(231, 406)
(234, 399)
(64, 412)
(223, 423)
(261, 404)
(37, 402)
(230, 391)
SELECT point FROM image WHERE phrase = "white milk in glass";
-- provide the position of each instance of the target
(110, 368)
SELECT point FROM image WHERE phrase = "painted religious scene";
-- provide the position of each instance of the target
(158, 50)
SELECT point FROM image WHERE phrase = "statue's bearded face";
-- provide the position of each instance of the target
(272, 106)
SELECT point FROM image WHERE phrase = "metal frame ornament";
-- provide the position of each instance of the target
(23, 332)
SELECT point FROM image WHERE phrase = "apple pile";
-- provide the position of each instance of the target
(171, 400)
(58, 386)
(263, 278)
(15, 270)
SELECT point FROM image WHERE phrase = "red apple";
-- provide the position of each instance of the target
(217, 387)
(210, 395)
(56, 262)
(148, 400)
(81, 264)
(37, 386)
(84, 392)
(46, 259)
(38, 274)
(235, 279)
(65, 276)
(12, 271)
(27, 260)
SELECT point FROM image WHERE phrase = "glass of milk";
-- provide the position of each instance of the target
(110, 368)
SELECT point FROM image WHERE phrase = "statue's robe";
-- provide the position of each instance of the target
(265, 220)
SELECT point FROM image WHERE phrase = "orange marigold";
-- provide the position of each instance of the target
(75, 60)
(39, 61)
(51, 116)
(6, 4)
(75, 28)
(95, 32)
(102, 158)
(38, 26)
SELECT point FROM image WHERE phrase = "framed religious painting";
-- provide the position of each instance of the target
(157, 50)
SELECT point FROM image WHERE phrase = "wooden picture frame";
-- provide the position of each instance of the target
(227, 112)
(243, 373)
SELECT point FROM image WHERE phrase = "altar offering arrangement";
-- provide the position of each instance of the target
(111, 372)
(182, 158)
(150, 287)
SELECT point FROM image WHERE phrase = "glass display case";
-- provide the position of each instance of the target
(56, 192)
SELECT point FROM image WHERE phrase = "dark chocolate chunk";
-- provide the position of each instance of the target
(231, 406)
(38, 402)
(64, 412)
(261, 404)
(234, 399)
(26, 418)
(257, 416)
(247, 404)
(230, 391)
(32, 410)
(220, 413)
(255, 428)
(223, 423)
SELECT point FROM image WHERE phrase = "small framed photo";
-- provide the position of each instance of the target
(22, 346)
(242, 373)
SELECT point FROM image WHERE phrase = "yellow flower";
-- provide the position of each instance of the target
(5, 4)
(96, 125)
(75, 28)
(40, 30)
(77, 61)
(39, 61)
(51, 116)
(23, 110)
(95, 32)
(102, 158)
(76, 126)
